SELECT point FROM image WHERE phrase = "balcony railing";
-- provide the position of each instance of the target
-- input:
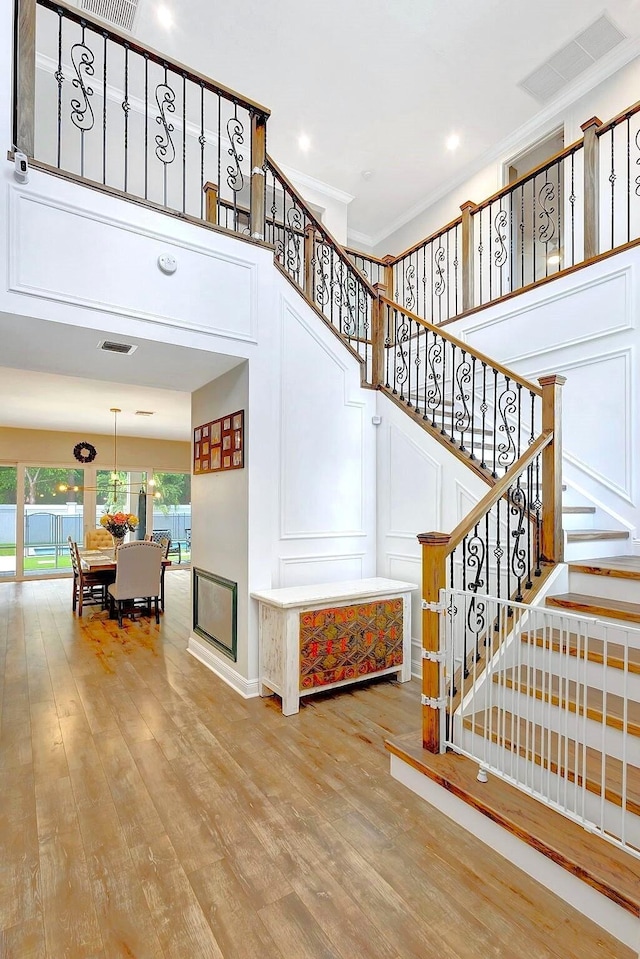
(94, 104)
(581, 203)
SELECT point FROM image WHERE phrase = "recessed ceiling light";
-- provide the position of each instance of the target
(165, 16)
(453, 142)
(304, 142)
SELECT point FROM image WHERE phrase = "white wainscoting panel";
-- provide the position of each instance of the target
(323, 469)
(414, 487)
(111, 265)
(307, 570)
(563, 317)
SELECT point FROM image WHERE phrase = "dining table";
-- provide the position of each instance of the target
(105, 560)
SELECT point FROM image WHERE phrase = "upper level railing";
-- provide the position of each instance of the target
(93, 103)
(582, 202)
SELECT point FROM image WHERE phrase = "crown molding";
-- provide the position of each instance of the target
(359, 240)
(314, 184)
(533, 129)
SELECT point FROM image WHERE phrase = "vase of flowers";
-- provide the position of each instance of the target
(119, 524)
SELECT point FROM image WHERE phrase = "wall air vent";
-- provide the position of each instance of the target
(121, 13)
(110, 346)
(572, 59)
(144, 412)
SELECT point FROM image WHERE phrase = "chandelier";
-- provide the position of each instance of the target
(116, 486)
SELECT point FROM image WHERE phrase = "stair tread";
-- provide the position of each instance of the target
(574, 645)
(621, 567)
(578, 509)
(597, 605)
(611, 871)
(583, 535)
(571, 695)
(558, 753)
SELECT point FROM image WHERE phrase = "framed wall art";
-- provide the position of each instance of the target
(219, 444)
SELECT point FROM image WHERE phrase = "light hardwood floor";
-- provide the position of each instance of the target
(146, 810)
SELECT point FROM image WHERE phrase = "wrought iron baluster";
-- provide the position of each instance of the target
(480, 218)
(387, 343)
(444, 384)
(537, 505)
(165, 149)
(628, 181)
(529, 519)
(463, 378)
(82, 60)
(409, 403)
(184, 142)
(560, 221)
(424, 281)
(533, 417)
(522, 231)
(572, 202)
(494, 471)
(452, 391)
(104, 107)
(498, 553)
(59, 78)
(126, 106)
(472, 454)
(508, 541)
(455, 267)
(483, 410)
(612, 181)
(519, 426)
(219, 168)
(202, 141)
(490, 246)
(395, 348)
(418, 363)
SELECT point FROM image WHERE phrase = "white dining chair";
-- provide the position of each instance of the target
(138, 571)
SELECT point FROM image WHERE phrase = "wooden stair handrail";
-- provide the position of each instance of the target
(495, 493)
(527, 384)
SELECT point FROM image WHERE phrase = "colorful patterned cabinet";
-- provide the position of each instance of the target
(314, 638)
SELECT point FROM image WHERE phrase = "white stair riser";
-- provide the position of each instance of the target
(581, 521)
(578, 727)
(591, 548)
(610, 587)
(560, 790)
(582, 671)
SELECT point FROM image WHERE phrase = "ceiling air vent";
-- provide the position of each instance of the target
(121, 13)
(110, 346)
(572, 59)
(144, 412)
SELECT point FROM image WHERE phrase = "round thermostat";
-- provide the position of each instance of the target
(167, 263)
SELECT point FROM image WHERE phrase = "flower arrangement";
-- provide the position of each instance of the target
(119, 524)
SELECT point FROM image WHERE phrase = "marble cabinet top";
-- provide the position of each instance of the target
(355, 589)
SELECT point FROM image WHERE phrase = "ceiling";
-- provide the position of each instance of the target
(49, 388)
(379, 85)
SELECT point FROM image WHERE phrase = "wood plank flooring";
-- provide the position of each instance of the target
(149, 812)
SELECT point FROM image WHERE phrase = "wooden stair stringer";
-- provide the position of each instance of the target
(612, 872)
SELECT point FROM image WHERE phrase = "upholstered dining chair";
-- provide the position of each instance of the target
(98, 538)
(138, 573)
(89, 589)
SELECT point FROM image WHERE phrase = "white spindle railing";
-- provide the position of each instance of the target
(556, 711)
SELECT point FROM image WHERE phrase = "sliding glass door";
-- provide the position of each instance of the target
(50, 516)
(8, 519)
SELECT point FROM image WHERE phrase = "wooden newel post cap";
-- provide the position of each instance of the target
(592, 122)
(553, 379)
(468, 205)
(210, 186)
(388, 259)
(434, 539)
(380, 288)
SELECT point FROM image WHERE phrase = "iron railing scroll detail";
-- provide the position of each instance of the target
(486, 412)
(136, 122)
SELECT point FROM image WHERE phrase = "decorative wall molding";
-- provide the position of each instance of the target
(556, 297)
(463, 494)
(397, 435)
(18, 258)
(248, 688)
(357, 558)
(345, 365)
(625, 410)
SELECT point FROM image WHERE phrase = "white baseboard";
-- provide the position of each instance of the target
(247, 688)
(606, 913)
